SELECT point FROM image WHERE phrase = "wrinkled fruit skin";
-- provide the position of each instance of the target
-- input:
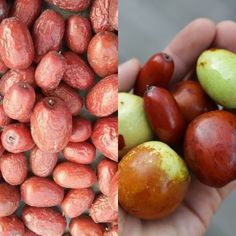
(71, 5)
(4, 9)
(48, 32)
(4, 119)
(14, 168)
(42, 163)
(77, 201)
(78, 74)
(78, 33)
(84, 226)
(217, 76)
(191, 99)
(9, 199)
(50, 133)
(103, 53)
(11, 225)
(41, 192)
(102, 99)
(101, 210)
(73, 175)
(164, 115)
(99, 16)
(153, 180)
(105, 137)
(157, 71)
(209, 147)
(50, 71)
(113, 192)
(82, 153)
(113, 14)
(16, 45)
(70, 96)
(106, 170)
(15, 76)
(19, 101)
(37, 220)
(16, 138)
(3, 67)
(132, 119)
(26, 11)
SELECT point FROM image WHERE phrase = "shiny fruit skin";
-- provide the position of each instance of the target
(48, 32)
(16, 138)
(192, 99)
(44, 221)
(77, 201)
(78, 74)
(16, 45)
(101, 210)
(9, 199)
(157, 71)
(11, 225)
(14, 168)
(19, 101)
(85, 226)
(71, 5)
(105, 137)
(73, 175)
(103, 53)
(164, 115)
(209, 147)
(41, 192)
(78, 33)
(153, 180)
(102, 99)
(50, 133)
(26, 11)
(42, 163)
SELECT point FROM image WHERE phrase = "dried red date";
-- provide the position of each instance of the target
(41, 192)
(14, 168)
(105, 137)
(16, 45)
(48, 33)
(11, 225)
(4, 9)
(101, 211)
(78, 74)
(3, 67)
(113, 14)
(103, 53)
(81, 131)
(113, 192)
(70, 96)
(77, 201)
(44, 221)
(85, 226)
(78, 33)
(30, 233)
(102, 99)
(50, 70)
(42, 163)
(9, 199)
(16, 138)
(4, 119)
(106, 170)
(26, 10)
(50, 133)
(19, 101)
(73, 175)
(82, 153)
(14, 76)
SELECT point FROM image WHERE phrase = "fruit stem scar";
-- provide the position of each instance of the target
(51, 102)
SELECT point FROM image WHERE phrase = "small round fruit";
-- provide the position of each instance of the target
(153, 181)
(134, 128)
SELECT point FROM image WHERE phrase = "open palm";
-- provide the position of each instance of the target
(201, 202)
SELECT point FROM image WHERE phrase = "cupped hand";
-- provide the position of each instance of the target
(194, 215)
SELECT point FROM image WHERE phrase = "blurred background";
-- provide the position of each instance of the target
(146, 27)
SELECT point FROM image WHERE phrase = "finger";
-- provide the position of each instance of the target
(188, 44)
(128, 72)
(226, 35)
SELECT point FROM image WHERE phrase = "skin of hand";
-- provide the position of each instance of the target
(194, 215)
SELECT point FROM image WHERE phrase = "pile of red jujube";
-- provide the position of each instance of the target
(50, 173)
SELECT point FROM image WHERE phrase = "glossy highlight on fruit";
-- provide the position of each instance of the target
(209, 148)
(153, 181)
(217, 75)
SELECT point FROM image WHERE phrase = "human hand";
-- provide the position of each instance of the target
(193, 216)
